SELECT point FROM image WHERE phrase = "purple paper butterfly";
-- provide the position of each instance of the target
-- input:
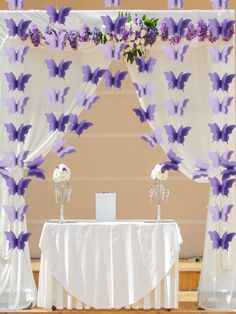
(218, 242)
(115, 80)
(218, 214)
(11, 160)
(220, 107)
(16, 188)
(110, 3)
(176, 28)
(153, 139)
(112, 52)
(115, 26)
(16, 4)
(144, 90)
(58, 16)
(174, 162)
(57, 96)
(33, 169)
(78, 127)
(56, 41)
(14, 83)
(202, 169)
(144, 115)
(90, 76)
(225, 29)
(17, 30)
(145, 66)
(14, 214)
(218, 188)
(217, 160)
(176, 108)
(15, 242)
(16, 55)
(177, 82)
(219, 4)
(176, 136)
(175, 3)
(218, 83)
(17, 135)
(59, 70)
(230, 169)
(221, 134)
(220, 56)
(60, 149)
(57, 124)
(85, 102)
(16, 107)
(176, 54)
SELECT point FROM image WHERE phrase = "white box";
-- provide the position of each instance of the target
(105, 206)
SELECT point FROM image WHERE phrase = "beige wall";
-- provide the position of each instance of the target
(111, 157)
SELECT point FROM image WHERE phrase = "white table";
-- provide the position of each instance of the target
(105, 265)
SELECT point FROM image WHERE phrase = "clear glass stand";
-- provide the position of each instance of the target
(63, 192)
(159, 192)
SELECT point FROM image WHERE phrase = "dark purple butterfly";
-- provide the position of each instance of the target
(221, 134)
(115, 80)
(17, 30)
(90, 76)
(57, 96)
(14, 83)
(145, 66)
(218, 83)
(178, 82)
(16, 106)
(144, 90)
(56, 40)
(16, 188)
(115, 26)
(218, 242)
(16, 55)
(111, 51)
(60, 149)
(230, 169)
(220, 107)
(218, 188)
(78, 127)
(175, 3)
(225, 29)
(33, 169)
(110, 3)
(176, 28)
(218, 160)
(15, 242)
(83, 101)
(218, 214)
(57, 124)
(17, 135)
(220, 56)
(219, 4)
(16, 4)
(144, 115)
(153, 139)
(173, 163)
(11, 160)
(59, 70)
(58, 16)
(176, 54)
(14, 214)
(202, 169)
(176, 108)
(176, 136)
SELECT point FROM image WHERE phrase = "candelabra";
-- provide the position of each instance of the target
(159, 192)
(63, 192)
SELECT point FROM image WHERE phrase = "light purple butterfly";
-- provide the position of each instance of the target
(17, 29)
(218, 83)
(221, 188)
(145, 66)
(16, 107)
(57, 96)
(84, 101)
(217, 159)
(173, 163)
(225, 29)
(144, 115)
(176, 28)
(220, 56)
(57, 124)
(176, 136)
(111, 51)
(218, 214)
(14, 83)
(16, 4)
(201, 169)
(110, 3)
(177, 82)
(175, 4)
(78, 127)
(90, 76)
(16, 188)
(218, 242)
(176, 54)
(15, 242)
(10, 160)
(221, 134)
(219, 4)
(230, 169)
(17, 135)
(144, 90)
(33, 168)
(58, 70)
(220, 107)
(14, 214)
(116, 26)
(176, 108)
(114, 81)
(60, 149)
(56, 41)
(154, 139)
(16, 55)
(58, 16)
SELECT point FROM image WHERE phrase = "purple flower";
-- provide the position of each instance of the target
(84, 34)
(96, 35)
(164, 32)
(35, 35)
(201, 30)
(73, 39)
(174, 40)
(138, 21)
(190, 32)
(125, 34)
(151, 36)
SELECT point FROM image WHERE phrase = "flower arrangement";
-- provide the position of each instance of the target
(157, 174)
(61, 174)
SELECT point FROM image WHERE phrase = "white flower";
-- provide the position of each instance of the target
(143, 33)
(157, 174)
(127, 26)
(61, 173)
(119, 37)
(142, 41)
(132, 37)
(136, 27)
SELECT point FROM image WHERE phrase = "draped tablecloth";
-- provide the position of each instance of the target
(109, 264)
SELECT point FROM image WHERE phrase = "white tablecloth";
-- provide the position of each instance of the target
(109, 265)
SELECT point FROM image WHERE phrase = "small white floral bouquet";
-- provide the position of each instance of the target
(61, 174)
(157, 174)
